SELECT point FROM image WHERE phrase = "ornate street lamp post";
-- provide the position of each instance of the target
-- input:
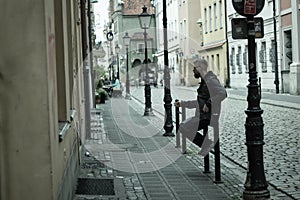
(117, 49)
(167, 98)
(256, 186)
(145, 20)
(126, 41)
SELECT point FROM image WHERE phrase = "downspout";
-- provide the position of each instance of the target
(227, 83)
(85, 70)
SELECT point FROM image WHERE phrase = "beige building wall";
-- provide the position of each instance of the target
(36, 101)
(214, 47)
(190, 40)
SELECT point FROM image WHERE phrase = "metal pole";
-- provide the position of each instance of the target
(167, 90)
(148, 108)
(118, 66)
(177, 112)
(256, 184)
(276, 81)
(91, 54)
(127, 77)
(227, 83)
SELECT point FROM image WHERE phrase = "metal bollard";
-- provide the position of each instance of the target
(217, 155)
(206, 158)
(183, 116)
(177, 112)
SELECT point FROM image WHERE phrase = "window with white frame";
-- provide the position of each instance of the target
(180, 30)
(205, 20)
(215, 16)
(232, 57)
(184, 28)
(140, 48)
(272, 55)
(245, 58)
(262, 57)
(220, 13)
(238, 60)
(210, 18)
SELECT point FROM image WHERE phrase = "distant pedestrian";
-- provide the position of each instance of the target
(208, 106)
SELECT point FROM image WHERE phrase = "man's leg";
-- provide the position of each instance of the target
(199, 138)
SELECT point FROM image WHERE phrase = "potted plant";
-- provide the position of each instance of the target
(102, 95)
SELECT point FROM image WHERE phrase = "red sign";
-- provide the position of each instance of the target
(250, 7)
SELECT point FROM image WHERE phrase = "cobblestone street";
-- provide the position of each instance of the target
(281, 135)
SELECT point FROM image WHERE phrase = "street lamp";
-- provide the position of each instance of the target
(117, 49)
(145, 20)
(126, 41)
(276, 81)
(168, 126)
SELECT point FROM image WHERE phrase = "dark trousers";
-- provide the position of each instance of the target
(190, 128)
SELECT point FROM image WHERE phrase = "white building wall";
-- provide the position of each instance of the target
(239, 79)
(173, 34)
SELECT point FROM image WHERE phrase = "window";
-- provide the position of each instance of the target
(238, 60)
(210, 19)
(220, 14)
(213, 62)
(272, 55)
(232, 61)
(215, 16)
(288, 54)
(245, 58)
(218, 63)
(181, 31)
(184, 28)
(262, 57)
(141, 48)
(205, 20)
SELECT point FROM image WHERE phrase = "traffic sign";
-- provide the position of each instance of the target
(240, 28)
(248, 7)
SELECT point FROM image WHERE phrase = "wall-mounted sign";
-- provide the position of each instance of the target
(240, 28)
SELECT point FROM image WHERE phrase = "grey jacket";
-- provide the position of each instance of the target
(211, 93)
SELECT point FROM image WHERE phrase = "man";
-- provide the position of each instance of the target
(208, 106)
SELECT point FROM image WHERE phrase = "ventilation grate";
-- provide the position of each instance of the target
(93, 186)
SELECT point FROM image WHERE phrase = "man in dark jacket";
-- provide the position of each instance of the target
(208, 106)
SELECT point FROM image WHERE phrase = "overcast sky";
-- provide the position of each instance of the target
(101, 18)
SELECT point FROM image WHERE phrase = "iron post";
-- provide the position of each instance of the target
(168, 126)
(256, 184)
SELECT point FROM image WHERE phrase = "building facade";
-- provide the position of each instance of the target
(45, 87)
(189, 13)
(124, 18)
(172, 37)
(265, 63)
(214, 37)
(289, 40)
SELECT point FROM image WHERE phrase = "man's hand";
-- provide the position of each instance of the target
(177, 104)
(205, 108)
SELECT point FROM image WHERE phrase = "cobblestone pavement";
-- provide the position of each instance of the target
(281, 136)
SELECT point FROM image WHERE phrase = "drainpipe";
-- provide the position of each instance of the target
(227, 83)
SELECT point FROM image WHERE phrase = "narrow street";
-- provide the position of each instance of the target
(281, 131)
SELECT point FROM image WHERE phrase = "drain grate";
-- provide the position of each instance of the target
(93, 186)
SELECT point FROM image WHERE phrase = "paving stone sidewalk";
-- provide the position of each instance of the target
(155, 182)
(150, 167)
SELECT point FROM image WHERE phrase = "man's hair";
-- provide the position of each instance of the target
(201, 63)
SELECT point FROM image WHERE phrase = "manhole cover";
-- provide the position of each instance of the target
(93, 186)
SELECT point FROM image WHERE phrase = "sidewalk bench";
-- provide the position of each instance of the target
(216, 151)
